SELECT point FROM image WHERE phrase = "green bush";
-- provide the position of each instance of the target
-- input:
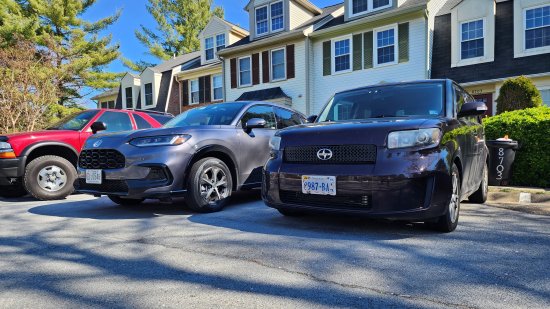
(518, 93)
(531, 128)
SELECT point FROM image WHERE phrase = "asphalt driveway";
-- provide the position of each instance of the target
(87, 252)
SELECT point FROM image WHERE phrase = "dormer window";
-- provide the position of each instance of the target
(220, 42)
(537, 27)
(269, 18)
(366, 6)
(472, 39)
(209, 48)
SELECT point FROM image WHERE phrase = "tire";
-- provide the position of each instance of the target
(480, 196)
(449, 221)
(290, 212)
(13, 191)
(125, 201)
(60, 186)
(209, 185)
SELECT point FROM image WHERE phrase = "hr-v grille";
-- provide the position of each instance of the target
(341, 154)
(101, 159)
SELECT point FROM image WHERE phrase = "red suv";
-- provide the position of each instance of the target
(43, 163)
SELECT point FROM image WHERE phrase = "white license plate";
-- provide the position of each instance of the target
(322, 185)
(93, 177)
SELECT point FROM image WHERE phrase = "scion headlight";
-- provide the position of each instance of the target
(414, 138)
(163, 140)
(275, 143)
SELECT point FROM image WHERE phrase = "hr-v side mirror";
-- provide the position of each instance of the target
(311, 118)
(98, 126)
(255, 123)
(476, 108)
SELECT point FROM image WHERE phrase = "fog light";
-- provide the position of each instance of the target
(156, 173)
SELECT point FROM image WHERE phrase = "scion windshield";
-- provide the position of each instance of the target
(422, 99)
(210, 115)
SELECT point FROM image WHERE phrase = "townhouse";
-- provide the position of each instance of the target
(480, 43)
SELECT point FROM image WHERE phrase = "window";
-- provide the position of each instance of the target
(545, 96)
(286, 118)
(277, 16)
(260, 111)
(342, 55)
(209, 48)
(149, 94)
(141, 123)
(194, 93)
(472, 41)
(261, 21)
(385, 46)
(220, 42)
(111, 104)
(116, 121)
(366, 6)
(104, 105)
(278, 67)
(129, 101)
(217, 87)
(160, 118)
(537, 27)
(245, 78)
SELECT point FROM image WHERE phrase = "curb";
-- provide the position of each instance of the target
(518, 195)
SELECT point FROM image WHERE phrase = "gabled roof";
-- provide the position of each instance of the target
(305, 3)
(171, 63)
(264, 95)
(108, 93)
(233, 27)
(451, 4)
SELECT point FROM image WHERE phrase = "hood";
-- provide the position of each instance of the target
(40, 135)
(372, 131)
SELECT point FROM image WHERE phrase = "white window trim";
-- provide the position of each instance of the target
(145, 95)
(216, 41)
(531, 51)
(369, 10)
(239, 71)
(272, 79)
(213, 48)
(333, 54)
(269, 29)
(271, 18)
(212, 83)
(475, 60)
(395, 44)
(256, 20)
(191, 92)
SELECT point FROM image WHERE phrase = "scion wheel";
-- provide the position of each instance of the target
(449, 221)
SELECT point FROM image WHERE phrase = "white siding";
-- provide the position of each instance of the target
(214, 27)
(323, 87)
(148, 76)
(433, 8)
(298, 15)
(294, 88)
(130, 81)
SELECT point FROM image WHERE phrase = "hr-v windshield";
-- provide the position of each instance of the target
(422, 99)
(210, 115)
(75, 122)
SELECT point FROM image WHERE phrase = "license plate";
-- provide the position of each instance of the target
(321, 185)
(93, 177)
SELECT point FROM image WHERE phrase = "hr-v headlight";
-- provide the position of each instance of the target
(414, 138)
(163, 140)
(275, 143)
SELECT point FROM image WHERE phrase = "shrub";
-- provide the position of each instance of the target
(531, 128)
(518, 93)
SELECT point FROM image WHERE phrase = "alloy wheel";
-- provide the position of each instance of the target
(455, 199)
(213, 185)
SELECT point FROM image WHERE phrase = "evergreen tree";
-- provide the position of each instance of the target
(78, 52)
(178, 25)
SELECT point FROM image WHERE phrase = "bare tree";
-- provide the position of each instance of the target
(26, 87)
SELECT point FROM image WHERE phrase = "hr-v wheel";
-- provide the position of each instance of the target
(480, 196)
(448, 222)
(49, 178)
(209, 185)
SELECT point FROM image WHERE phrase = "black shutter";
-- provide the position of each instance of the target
(327, 58)
(357, 52)
(201, 89)
(255, 69)
(185, 91)
(290, 64)
(207, 89)
(233, 68)
(265, 67)
(368, 50)
(403, 37)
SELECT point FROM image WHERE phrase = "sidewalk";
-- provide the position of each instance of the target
(524, 199)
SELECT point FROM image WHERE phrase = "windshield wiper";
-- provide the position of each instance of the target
(389, 116)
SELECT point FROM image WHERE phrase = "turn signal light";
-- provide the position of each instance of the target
(7, 155)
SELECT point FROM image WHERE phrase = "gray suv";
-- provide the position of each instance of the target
(203, 155)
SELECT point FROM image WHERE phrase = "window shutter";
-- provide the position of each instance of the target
(207, 89)
(403, 37)
(290, 63)
(368, 50)
(185, 90)
(201, 89)
(357, 52)
(327, 58)
(255, 69)
(233, 68)
(265, 67)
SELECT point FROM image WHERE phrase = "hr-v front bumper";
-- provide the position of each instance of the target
(400, 185)
(149, 172)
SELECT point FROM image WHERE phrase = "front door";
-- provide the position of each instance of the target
(486, 98)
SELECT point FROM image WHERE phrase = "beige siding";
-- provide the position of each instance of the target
(433, 8)
(130, 81)
(298, 15)
(148, 76)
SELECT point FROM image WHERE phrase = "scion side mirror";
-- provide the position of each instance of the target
(476, 108)
(98, 126)
(311, 118)
(255, 123)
